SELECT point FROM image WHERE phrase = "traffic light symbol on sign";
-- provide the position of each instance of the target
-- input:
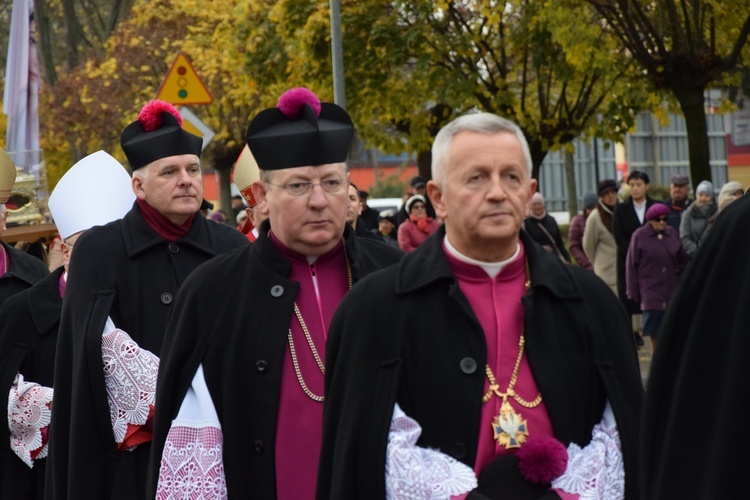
(182, 85)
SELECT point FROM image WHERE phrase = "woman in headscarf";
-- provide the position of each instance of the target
(695, 219)
(599, 238)
(414, 230)
(543, 228)
(654, 264)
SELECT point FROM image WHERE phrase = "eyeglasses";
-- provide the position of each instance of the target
(332, 185)
(418, 207)
(660, 219)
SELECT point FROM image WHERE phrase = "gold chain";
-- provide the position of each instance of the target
(494, 388)
(308, 337)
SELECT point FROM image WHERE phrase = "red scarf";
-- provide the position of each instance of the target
(163, 226)
(421, 222)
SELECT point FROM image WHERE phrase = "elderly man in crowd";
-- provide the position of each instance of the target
(240, 393)
(123, 278)
(504, 363)
(678, 201)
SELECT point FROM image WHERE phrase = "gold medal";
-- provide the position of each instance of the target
(509, 427)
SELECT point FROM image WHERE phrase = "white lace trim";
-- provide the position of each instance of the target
(192, 464)
(130, 378)
(412, 472)
(28, 413)
(597, 470)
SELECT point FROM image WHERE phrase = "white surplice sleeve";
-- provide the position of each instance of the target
(192, 463)
(415, 472)
(593, 472)
(130, 374)
(596, 470)
(29, 414)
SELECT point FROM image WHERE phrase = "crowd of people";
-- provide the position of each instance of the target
(303, 345)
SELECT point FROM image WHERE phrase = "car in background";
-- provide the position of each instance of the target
(381, 204)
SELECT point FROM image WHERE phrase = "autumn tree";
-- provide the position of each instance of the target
(684, 48)
(95, 101)
(413, 65)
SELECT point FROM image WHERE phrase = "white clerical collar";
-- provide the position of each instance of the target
(491, 268)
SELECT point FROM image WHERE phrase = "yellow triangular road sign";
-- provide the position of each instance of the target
(182, 85)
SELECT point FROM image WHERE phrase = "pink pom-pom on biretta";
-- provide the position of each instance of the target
(542, 459)
(291, 102)
(150, 115)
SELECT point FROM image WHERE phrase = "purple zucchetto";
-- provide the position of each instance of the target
(657, 210)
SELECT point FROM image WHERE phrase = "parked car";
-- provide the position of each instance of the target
(380, 204)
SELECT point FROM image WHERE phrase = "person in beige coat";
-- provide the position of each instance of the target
(598, 239)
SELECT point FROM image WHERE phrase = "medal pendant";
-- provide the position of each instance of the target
(510, 429)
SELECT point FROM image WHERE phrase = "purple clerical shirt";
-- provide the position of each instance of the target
(300, 419)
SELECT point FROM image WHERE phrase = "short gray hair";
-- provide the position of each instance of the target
(483, 123)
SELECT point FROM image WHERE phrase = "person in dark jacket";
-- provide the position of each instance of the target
(501, 351)
(655, 262)
(18, 270)
(543, 228)
(240, 394)
(697, 386)
(123, 279)
(678, 201)
(629, 216)
(30, 319)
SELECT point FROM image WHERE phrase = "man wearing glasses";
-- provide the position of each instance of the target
(242, 373)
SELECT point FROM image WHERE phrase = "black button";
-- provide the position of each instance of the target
(261, 365)
(468, 365)
(459, 451)
(277, 290)
(258, 446)
(174, 248)
(166, 298)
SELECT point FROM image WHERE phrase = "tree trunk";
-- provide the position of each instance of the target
(570, 179)
(537, 157)
(225, 191)
(692, 105)
(44, 43)
(424, 163)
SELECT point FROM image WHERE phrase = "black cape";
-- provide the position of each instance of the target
(241, 339)
(428, 352)
(697, 401)
(28, 335)
(24, 271)
(127, 271)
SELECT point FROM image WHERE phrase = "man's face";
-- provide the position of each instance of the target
(312, 223)
(419, 189)
(353, 210)
(172, 185)
(486, 195)
(678, 193)
(67, 248)
(638, 189)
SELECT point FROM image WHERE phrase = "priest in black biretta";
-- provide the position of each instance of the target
(298, 133)
(127, 274)
(157, 134)
(253, 360)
